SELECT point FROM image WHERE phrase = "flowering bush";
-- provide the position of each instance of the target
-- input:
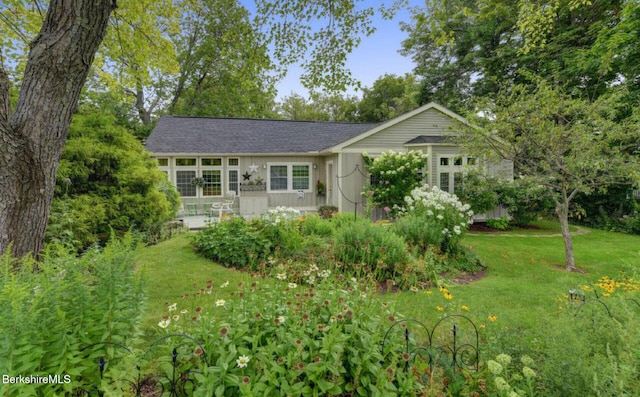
(432, 217)
(393, 176)
(282, 338)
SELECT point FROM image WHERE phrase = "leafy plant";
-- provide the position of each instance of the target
(52, 311)
(501, 223)
(232, 242)
(275, 337)
(361, 243)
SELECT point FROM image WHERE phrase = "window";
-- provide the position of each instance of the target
(233, 162)
(212, 183)
(444, 160)
(183, 183)
(457, 161)
(471, 161)
(278, 177)
(233, 181)
(444, 181)
(163, 162)
(457, 183)
(290, 178)
(211, 162)
(185, 162)
(300, 177)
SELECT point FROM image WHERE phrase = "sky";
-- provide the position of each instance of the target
(377, 54)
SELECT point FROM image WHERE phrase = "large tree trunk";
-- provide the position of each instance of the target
(33, 136)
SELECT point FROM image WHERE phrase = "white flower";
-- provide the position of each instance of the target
(293, 285)
(242, 361)
(313, 268)
(164, 323)
(280, 320)
(220, 302)
(281, 276)
(172, 307)
(225, 284)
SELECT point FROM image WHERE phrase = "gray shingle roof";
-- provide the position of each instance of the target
(178, 134)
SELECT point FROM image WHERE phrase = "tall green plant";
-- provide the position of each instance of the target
(51, 310)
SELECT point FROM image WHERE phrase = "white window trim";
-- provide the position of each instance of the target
(289, 178)
(453, 169)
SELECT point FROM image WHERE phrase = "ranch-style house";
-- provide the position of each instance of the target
(301, 164)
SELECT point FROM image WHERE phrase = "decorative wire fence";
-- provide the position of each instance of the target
(169, 366)
(453, 341)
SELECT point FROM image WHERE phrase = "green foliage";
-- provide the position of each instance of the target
(321, 107)
(393, 176)
(232, 242)
(566, 145)
(106, 180)
(362, 243)
(479, 191)
(52, 310)
(501, 223)
(273, 337)
(465, 48)
(390, 96)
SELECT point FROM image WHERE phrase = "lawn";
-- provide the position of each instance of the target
(524, 279)
(519, 306)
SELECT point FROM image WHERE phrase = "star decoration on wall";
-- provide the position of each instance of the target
(246, 176)
(253, 168)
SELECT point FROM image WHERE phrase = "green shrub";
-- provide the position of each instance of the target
(48, 315)
(363, 243)
(232, 242)
(501, 223)
(314, 225)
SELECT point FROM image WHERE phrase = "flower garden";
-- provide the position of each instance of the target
(330, 304)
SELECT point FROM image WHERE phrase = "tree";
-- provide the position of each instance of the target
(321, 107)
(224, 63)
(469, 48)
(567, 145)
(33, 132)
(106, 180)
(389, 97)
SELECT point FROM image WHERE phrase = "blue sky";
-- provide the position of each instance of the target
(376, 55)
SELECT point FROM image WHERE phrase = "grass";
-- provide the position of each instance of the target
(524, 279)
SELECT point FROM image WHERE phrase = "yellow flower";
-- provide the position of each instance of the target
(493, 318)
(465, 308)
(440, 308)
(428, 292)
(447, 295)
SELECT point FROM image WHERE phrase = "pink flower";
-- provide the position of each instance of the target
(387, 209)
